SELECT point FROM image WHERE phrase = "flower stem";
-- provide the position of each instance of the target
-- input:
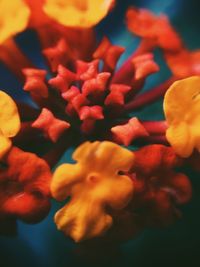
(58, 149)
(149, 96)
(154, 139)
(155, 127)
(13, 58)
(126, 71)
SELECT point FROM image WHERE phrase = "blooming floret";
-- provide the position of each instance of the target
(182, 109)
(94, 184)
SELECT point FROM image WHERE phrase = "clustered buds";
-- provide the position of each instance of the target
(111, 191)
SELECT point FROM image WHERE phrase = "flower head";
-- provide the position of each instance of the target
(95, 185)
(182, 109)
(9, 122)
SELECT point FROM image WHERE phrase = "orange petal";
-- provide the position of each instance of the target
(78, 13)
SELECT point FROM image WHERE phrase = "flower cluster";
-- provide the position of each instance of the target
(111, 191)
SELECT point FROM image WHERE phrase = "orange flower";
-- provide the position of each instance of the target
(94, 185)
(78, 13)
(182, 111)
(184, 63)
(9, 122)
(155, 29)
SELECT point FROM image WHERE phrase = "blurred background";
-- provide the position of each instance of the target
(178, 245)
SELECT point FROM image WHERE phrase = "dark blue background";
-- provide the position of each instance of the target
(179, 245)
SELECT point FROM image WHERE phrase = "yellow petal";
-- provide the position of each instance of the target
(180, 139)
(78, 13)
(93, 183)
(5, 145)
(182, 111)
(64, 178)
(113, 158)
(14, 16)
(180, 98)
(9, 117)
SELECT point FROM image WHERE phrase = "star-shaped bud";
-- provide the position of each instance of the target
(35, 82)
(63, 79)
(144, 66)
(60, 54)
(52, 127)
(108, 53)
(117, 94)
(87, 70)
(96, 85)
(128, 132)
(91, 112)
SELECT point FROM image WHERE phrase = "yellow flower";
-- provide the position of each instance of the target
(14, 16)
(9, 122)
(78, 13)
(182, 111)
(95, 185)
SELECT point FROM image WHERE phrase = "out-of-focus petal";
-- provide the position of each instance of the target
(155, 28)
(14, 17)
(78, 13)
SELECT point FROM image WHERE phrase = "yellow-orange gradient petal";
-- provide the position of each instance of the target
(78, 13)
(5, 145)
(182, 111)
(93, 183)
(9, 117)
(14, 16)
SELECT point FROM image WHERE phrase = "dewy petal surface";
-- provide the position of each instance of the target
(78, 13)
(182, 111)
(94, 184)
(14, 17)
